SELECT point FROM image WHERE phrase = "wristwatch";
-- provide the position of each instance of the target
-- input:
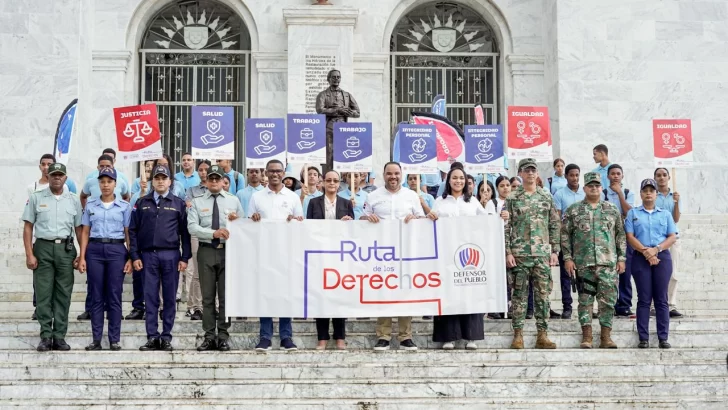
(659, 249)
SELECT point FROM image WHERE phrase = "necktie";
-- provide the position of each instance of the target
(215, 219)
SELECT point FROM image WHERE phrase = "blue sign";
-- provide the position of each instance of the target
(306, 138)
(265, 140)
(484, 148)
(353, 146)
(418, 148)
(213, 132)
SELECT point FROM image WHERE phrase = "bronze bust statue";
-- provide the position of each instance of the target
(338, 105)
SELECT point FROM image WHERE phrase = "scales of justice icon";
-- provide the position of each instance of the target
(138, 130)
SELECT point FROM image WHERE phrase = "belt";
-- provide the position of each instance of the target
(105, 240)
(209, 245)
(50, 240)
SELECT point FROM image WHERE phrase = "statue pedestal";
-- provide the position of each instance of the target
(319, 39)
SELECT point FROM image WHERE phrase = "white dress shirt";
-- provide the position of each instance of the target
(271, 205)
(389, 205)
(448, 207)
(330, 208)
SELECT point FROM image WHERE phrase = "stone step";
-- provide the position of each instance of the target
(372, 389)
(439, 403)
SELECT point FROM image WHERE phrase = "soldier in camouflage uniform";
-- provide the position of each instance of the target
(532, 244)
(594, 245)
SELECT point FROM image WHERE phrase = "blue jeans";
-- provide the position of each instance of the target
(285, 330)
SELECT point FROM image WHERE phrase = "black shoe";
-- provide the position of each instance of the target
(207, 344)
(381, 345)
(664, 344)
(178, 300)
(675, 313)
(622, 315)
(136, 314)
(152, 344)
(408, 345)
(529, 314)
(566, 314)
(60, 344)
(165, 345)
(189, 313)
(554, 315)
(492, 315)
(115, 347)
(44, 345)
(84, 316)
(223, 346)
(595, 315)
(217, 315)
(427, 317)
(34, 316)
(95, 345)
(644, 344)
(197, 315)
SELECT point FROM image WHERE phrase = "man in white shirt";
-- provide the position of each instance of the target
(393, 202)
(278, 203)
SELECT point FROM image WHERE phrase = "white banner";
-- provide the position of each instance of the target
(327, 268)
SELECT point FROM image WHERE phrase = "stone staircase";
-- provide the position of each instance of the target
(692, 374)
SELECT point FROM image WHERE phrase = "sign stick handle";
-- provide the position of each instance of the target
(142, 171)
(674, 180)
(353, 184)
(418, 184)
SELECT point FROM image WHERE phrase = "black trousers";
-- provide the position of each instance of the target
(322, 328)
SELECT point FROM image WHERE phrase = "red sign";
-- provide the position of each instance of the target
(673, 143)
(137, 132)
(529, 133)
(450, 144)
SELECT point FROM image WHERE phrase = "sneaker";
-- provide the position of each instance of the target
(408, 345)
(84, 316)
(644, 344)
(197, 315)
(152, 344)
(664, 344)
(471, 345)
(60, 344)
(288, 345)
(675, 313)
(95, 345)
(263, 345)
(448, 346)
(381, 345)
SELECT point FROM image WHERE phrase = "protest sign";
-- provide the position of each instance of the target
(361, 269)
(484, 148)
(137, 133)
(213, 132)
(529, 133)
(306, 136)
(673, 143)
(353, 146)
(418, 149)
(265, 140)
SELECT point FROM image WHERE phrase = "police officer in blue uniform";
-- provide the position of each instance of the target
(158, 225)
(105, 257)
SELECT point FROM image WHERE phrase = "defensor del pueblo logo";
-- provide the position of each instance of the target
(469, 261)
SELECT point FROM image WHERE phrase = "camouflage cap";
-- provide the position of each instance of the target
(57, 168)
(591, 177)
(527, 163)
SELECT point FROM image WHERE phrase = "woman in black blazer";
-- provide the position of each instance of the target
(331, 206)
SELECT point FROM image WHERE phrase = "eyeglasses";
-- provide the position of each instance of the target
(332, 181)
(530, 171)
(214, 178)
(274, 171)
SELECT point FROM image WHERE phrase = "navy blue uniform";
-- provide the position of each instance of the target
(155, 233)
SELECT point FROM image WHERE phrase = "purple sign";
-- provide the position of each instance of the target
(418, 148)
(265, 139)
(306, 138)
(484, 148)
(353, 146)
(213, 132)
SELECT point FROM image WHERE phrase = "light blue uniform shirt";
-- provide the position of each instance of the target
(187, 181)
(613, 197)
(119, 175)
(91, 188)
(565, 197)
(136, 186)
(71, 185)
(233, 183)
(649, 228)
(603, 172)
(429, 199)
(245, 194)
(107, 223)
(307, 199)
(556, 184)
(360, 198)
(667, 203)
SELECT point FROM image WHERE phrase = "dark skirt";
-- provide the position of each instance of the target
(456, 327)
